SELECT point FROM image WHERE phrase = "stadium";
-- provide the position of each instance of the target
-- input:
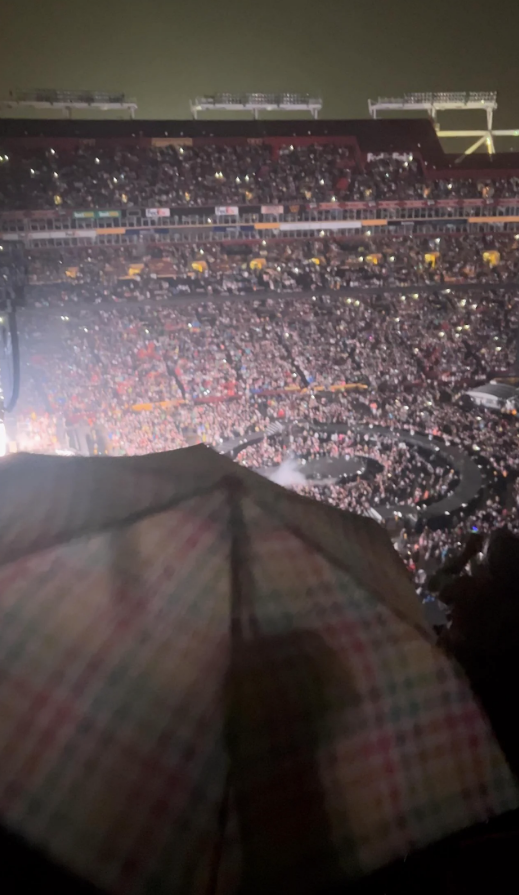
(256, 285)
(332, 305)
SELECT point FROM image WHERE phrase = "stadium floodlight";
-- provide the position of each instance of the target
(432, 103)
(258, 102)
(67, 100)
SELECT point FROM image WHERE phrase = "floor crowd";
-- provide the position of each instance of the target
(151, 377)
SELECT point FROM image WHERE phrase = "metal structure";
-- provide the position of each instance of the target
(67, 100)
(432, 103)
(257, 102)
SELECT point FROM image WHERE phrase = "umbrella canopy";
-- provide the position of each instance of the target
(208, 681)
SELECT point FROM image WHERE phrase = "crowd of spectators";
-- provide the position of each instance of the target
(147, 376)
(154, 377)
(230, 347)
(397, 474)
(219, 174)
(162, 272)
(152, 348)
(171, 176)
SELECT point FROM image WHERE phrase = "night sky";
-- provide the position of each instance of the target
(163, 52)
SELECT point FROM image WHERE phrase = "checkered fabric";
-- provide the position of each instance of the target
(206, 680)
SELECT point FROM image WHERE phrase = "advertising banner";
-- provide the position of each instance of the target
(82, 215)
(272, 209)
(319, 225)
(59, 234)
(158, 212)
(171, 141)
(38, 215)
(226, 209)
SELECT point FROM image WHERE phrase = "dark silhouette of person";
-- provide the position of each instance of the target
(283, 692)
(484, 634)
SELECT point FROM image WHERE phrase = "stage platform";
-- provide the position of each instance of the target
(470, 474)
(325, 470)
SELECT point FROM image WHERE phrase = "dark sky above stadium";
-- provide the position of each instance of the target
(164, 51)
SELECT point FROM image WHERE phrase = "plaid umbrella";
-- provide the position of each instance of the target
(208, 681)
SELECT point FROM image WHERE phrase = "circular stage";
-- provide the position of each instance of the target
(330, 470)
(324, 471)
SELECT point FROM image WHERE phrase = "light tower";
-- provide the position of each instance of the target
(67, 100)
(257, 102)
(432, 103)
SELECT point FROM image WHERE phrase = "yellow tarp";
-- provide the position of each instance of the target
(492, 258)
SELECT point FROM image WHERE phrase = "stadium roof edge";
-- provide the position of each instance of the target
(398, 135)
(368, 135)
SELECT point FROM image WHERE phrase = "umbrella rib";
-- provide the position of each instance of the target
(334, 560)
(242, 584)
(237, 534)
(223, 816)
